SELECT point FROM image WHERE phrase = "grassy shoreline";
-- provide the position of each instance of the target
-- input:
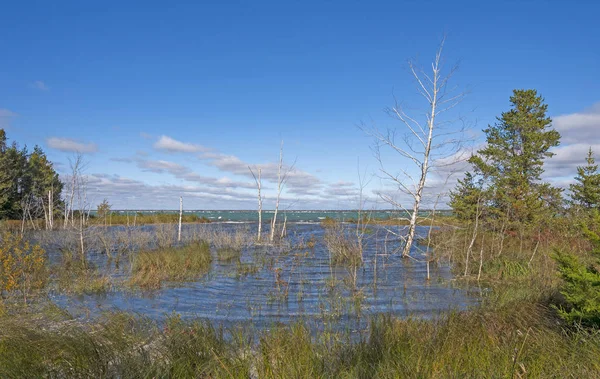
(514, 332)
(521, 337)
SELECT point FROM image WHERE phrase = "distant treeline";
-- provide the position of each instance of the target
(29, 186)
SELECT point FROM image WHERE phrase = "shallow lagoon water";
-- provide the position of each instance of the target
(290, 284)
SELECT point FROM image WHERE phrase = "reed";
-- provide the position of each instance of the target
(174, 264)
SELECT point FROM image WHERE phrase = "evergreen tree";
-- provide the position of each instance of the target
(581, 288)
(514, 155)
(466, 197)
(586, 192)
(25, 181)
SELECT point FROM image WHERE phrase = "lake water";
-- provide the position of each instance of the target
(291, 215)
(292, 284)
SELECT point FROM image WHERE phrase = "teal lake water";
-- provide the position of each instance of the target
(292, 216)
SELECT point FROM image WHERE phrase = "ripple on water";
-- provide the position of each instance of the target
(298, 284)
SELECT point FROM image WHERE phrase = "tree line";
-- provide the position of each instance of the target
(504, 181)
(30, 188)
(503, 192)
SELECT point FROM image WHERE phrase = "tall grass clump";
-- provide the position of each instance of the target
(184, 263)
(76, 276)
(344, 248)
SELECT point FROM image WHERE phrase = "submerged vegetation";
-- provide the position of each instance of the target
(183, 263)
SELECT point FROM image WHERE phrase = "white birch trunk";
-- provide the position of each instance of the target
(258, 186)
(279, 183)
(180, 216)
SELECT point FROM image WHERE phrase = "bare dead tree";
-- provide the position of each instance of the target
(478, 212)
(282, 175)
(427, 140)
(180, 216)
(260, 200)
(70, 186)
(363, 219)
(76, 199)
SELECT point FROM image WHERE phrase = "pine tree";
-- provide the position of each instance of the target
(586, 192)
(25, 181)
(514, 155)
(581, 288)
(466, 197)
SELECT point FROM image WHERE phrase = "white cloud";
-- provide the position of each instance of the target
(171, 145)
(185, 173)
(564, 164)
(40, 85)
(70, 145)
(579, 131)
(297, 180)
(125, 193)
(579, 127)
(160, 167)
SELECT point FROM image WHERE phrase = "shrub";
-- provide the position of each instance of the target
(22, 266)
(581, 289)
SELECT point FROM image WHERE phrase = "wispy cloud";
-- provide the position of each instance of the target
(6, 117)
(40, 85)
(296, 179)
(70, 145)
(185, 173)
(579, 127)
(166, 143)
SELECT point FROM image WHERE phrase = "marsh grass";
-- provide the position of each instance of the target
(228, 255)
(500, 256)
(74, 276)
(342, 247)
(175, 264)
(522, 338)
(147, 219)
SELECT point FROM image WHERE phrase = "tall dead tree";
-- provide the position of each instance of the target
(260, 200)
(425, 141)
(282, 176)
(180, 217)
(280, 183)
(71, 186)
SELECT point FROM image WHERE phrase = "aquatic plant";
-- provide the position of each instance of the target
(184, 263)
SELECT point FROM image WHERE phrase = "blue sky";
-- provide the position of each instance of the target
(170, 99)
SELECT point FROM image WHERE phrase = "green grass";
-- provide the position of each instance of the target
(145, 219)
(175, 264)
(521, 338)
(74, 276)
(228, 254)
